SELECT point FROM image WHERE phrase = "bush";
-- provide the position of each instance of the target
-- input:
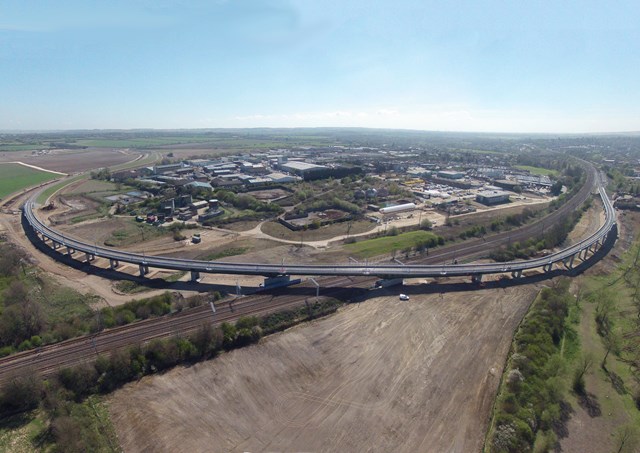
(21, 393)
(80, 379)
(533, 386)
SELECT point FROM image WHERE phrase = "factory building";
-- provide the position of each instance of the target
(450, 174)
(303, 169)
(492, 197)
(398, 208)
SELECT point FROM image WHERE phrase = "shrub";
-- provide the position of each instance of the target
(21, 393)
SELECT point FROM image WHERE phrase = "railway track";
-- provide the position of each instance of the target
(49, 358)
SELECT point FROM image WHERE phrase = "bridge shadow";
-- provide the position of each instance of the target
(346, 294)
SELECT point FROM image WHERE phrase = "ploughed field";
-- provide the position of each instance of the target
(71, 161)
(382, 375)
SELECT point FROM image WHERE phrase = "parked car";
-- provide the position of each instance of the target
(404, 297)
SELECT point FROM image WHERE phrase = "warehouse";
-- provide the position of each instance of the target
(398, 208)
(491, 197)
(301, 168)
(450, 174)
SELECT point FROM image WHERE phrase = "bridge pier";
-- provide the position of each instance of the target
(582, 254)
(516, 273)
(476, 278)
(195, 276)
(70, 251)
(89, 257)
(144, 269)
(56, 245)
(113, 264)
(547, 267)
(568, 262)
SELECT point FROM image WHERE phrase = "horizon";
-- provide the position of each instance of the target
(328, 128)
(417, 66)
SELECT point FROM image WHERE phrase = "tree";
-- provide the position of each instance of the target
(612, 342)
(627, 438)
(556, 188)
(22, 393)
(585, 363)
(426, 224)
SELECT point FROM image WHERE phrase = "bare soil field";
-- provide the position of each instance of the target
(73, 206)
(588, 224)
(71, 161)
(382, 375)
(280, 231)
(269, 194)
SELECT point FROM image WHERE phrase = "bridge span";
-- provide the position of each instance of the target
(565, 257)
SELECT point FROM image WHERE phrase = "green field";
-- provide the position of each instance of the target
(9, 147)
(15, 177)
(537, 170)
(387, 244)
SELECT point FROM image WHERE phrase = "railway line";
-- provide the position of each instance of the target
(47, 359)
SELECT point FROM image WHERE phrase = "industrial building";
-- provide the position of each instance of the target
(301, 168)
(446, 174)
(492, 197)
(398, 208)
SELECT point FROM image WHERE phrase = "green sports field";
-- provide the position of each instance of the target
(15, 177)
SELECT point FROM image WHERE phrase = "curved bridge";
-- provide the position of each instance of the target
(475, 271)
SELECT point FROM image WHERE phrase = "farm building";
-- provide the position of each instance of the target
(491, 197)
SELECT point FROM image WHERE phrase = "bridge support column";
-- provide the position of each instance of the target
(516, 274)
(568, 262)
(144, 270)
(70, 251)
(476, 278)
(582, 254)
(195, 276)
(89, 257)
(547, 267)
(113, 264)
(56, 245)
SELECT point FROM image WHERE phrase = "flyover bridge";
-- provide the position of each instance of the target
(564, 257)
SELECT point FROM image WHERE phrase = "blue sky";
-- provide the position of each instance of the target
(508, 66)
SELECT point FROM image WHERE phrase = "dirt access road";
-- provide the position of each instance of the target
(383, 375)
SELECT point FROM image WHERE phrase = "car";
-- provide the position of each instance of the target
(404, 297)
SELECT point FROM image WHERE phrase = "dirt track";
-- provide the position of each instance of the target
(383, 375)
